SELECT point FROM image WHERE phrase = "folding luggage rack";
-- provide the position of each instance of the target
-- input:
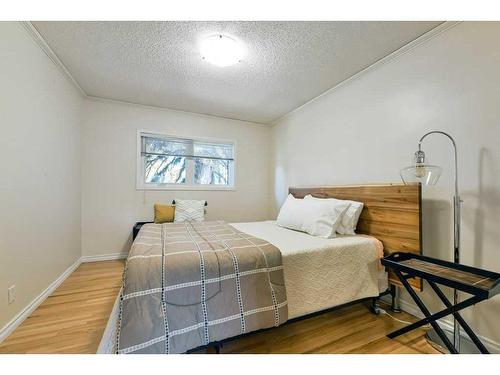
(479, 283)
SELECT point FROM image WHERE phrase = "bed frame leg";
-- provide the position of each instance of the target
(213, 348)
(375, 306)
(217, 348)
(395, 296)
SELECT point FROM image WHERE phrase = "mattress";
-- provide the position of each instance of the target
(323, 273)
(319, 273)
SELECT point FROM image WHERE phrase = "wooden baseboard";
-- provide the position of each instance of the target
(7, 329)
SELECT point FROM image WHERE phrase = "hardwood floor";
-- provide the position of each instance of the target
(73, 319)
(351, 329)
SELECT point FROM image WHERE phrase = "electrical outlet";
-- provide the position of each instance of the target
(11, 294)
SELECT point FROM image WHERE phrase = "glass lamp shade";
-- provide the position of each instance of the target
(423, 173)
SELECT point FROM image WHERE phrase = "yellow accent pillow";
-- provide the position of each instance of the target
(164, 213)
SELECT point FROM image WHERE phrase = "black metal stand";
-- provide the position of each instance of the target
(479, 283)
(432, 318)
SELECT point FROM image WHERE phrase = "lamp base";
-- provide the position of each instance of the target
(466, 345)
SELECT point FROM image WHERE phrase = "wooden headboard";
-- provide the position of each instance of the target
(392, 213)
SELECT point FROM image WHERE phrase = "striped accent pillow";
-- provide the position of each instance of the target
(189, 210)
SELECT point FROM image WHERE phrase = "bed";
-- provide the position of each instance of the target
(322, 273)
(318, 273)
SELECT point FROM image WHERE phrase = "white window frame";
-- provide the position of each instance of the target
(189, 185)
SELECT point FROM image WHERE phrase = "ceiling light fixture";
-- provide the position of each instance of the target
(221, 50)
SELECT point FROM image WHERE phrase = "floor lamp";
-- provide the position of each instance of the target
(429, 175)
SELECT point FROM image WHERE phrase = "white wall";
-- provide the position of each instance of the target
(110, 202)
(366, 130)
(40, 170)
(361, 132)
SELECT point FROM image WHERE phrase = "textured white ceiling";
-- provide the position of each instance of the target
(158, 63)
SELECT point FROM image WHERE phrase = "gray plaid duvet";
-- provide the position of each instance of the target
(188, 284)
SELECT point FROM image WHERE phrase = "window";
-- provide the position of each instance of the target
(166, 162)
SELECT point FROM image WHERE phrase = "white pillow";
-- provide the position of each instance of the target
(349, 219)
(315, 218)
(189, 210)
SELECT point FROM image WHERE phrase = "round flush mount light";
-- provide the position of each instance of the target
(221, 50)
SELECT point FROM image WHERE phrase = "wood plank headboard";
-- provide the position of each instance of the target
(392, 213)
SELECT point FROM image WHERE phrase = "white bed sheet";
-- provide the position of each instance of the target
(322, 273)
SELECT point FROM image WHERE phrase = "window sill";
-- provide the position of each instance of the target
(187, 188)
